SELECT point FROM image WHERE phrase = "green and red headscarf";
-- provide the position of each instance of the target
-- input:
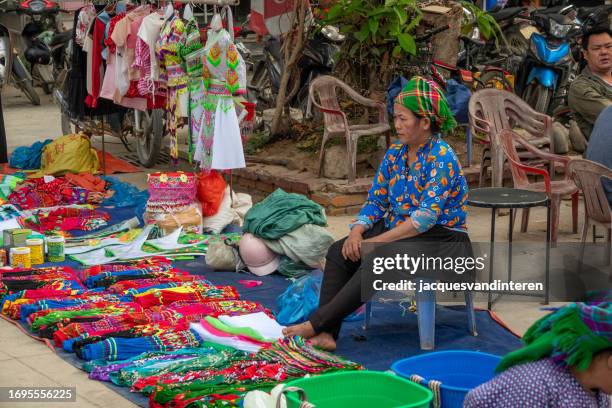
(426, 100)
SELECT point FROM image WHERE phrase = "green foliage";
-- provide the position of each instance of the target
(256, 142)
(375, 28)
(485, 22)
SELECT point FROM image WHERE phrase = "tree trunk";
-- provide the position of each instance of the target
(291, 55)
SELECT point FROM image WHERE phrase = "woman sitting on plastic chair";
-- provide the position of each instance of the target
(418, 195)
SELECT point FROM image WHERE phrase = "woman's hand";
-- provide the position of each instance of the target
(352, 246)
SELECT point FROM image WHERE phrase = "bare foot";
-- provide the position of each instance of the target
(324, 341)
(304, 330)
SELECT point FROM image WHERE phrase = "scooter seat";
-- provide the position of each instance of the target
(38, 54)
(507, 13)
(60, 38)
(477, 42)
(601, 12)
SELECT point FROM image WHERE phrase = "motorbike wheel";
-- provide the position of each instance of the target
(26, 87)
(262, 88)
(538, 97)
(47, 88)
(148, 145)
(66, 124)
(494, 79)
(22, 80)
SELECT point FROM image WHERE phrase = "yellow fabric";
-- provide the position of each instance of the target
(180, 289)
(68, 154)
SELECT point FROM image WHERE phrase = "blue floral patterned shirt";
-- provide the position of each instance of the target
(432, 191)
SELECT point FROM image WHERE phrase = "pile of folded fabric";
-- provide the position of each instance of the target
(50, 191)
(285, 232)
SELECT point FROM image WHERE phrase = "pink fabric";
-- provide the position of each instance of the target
(247, 283)
(134, 74)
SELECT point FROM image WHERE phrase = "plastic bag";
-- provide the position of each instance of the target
(68, 154)
(241, 204)
(222, 257)
(261, 399)
(224, 216)
(394, 89)
(126, 194)
(458, 97)
(211, 189)
(300, 300)
(190, 218)
(28, 158)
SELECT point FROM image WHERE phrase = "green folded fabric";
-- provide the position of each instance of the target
(238, 331)
(281, 213)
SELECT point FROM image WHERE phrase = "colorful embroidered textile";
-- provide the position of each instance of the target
(250, 374)
(108, 278)
(195, 294)
(178, 187)
(219, 145)
(300, 357)
(154, 329)
(210, 356)
(197, 311)
(27, 310)
(123, 286)
(68, 219)
(105, 368)
(46, 318)
(36, 193)
(119, 349)
(115, 323)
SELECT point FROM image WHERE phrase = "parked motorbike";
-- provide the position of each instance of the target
(544, 76)
(12, 69)
(43, 40)
(318, 58)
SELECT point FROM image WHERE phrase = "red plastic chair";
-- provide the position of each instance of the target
(555, 189)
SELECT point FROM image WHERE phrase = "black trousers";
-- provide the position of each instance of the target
(341, 288)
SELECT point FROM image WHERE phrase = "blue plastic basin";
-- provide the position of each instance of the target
(458, 371)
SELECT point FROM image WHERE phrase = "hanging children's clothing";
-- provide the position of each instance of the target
(76, 84)
(175, 78)
(224, 75)
(146, 61)
(140, 59)
(191, 52)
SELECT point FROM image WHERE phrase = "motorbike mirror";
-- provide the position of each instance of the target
(468, 16)
(333, 33)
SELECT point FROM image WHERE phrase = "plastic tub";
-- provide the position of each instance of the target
(458, 371)
(360, 389)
